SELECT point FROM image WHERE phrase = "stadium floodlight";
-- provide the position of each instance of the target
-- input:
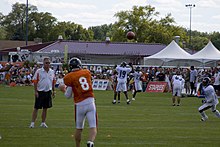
(26, 38)
(190, 6)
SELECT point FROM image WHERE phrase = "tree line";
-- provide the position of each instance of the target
(143, 20)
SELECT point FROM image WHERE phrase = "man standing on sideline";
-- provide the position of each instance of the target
(80, 87)
(216, 83)
(210, 101)
(192, 80)
(122, 71)
(44, 83)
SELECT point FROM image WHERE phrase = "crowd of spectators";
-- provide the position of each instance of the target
(22, 75)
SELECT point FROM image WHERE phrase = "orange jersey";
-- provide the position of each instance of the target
(81, 84)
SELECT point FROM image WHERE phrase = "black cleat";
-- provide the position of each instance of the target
(128, 102)
(89, 145)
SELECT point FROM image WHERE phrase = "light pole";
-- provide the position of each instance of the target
(190, 6)
(26, 38)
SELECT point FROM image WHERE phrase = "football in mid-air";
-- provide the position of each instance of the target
(130, 35)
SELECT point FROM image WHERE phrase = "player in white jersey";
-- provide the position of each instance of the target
(122, 71)
(210, 101)
(137, 81)
(177, 85)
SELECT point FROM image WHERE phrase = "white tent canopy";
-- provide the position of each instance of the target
(207, 54)
(172, 55)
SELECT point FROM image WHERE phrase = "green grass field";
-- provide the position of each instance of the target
(148, 121)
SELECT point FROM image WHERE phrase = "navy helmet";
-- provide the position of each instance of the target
(74, 63)
(206, 81)
(138, 68)
(123, 64)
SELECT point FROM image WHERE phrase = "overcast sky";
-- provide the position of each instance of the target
(205, 14)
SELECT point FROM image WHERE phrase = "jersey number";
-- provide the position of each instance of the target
(84, 83)
(122, 74)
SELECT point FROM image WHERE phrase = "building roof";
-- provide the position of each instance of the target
(103, 48)
(4, 44)
(32, 48)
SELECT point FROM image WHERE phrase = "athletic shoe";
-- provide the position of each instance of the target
(128, 101)
(204, 118)
(90, 144)
(133, 99)
(43, 125)
(178, 104)
(31, 125)
(119, 102)
(174, 104)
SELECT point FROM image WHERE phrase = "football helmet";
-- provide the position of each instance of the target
(123, 64)
(138, 68)
(74, 63)
(206, 81)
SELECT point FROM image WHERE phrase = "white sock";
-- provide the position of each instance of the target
(204, 115)
(32, 123)
(217, 113)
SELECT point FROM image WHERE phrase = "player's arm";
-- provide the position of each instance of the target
(68, 94)
(132, 67)
(35, 81)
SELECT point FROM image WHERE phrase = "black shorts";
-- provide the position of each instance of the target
(44, 100)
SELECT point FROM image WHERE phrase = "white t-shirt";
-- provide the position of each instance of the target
(217, 78)
(44, 79)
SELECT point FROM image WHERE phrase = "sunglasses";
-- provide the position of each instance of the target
(47, 62)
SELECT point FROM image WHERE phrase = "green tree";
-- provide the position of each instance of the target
(15, 21)
(199, 43)
(101, 32)
(3, 33)
(215, 38)
(41, 25)
(70, 31)
(142, 21)
(138, 20)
